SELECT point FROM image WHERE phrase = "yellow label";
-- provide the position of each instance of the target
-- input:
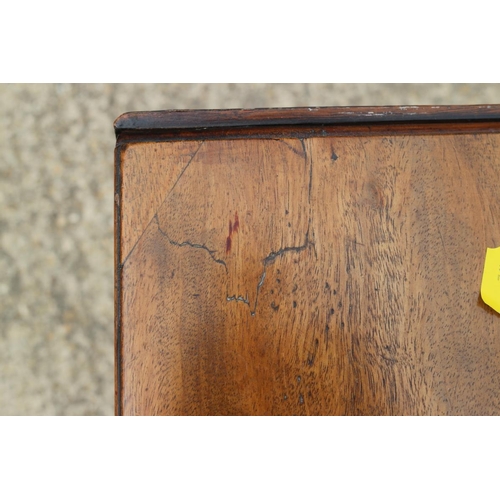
(490, 286)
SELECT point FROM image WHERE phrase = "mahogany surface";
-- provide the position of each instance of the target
(306, 268)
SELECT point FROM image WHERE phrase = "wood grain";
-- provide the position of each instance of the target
(314, 276)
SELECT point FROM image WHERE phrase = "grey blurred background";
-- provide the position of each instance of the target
(56, 220)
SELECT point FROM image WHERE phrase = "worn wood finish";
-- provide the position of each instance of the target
(309, 276)
(217, 119)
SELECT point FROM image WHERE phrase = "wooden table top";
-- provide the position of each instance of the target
(310, 261)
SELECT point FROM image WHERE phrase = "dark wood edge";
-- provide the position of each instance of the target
(225, 118)
(118, 288)
(304, 132)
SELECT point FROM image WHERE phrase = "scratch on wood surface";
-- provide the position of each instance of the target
(181, 174)
(162, 203)
(289, 146)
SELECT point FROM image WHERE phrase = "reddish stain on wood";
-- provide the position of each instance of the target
(236, 223)
(233, 228)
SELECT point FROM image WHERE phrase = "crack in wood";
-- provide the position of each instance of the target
(271, 257)
(189, 244)
(238, 298)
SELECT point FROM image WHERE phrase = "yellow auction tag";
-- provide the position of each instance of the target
(490, 286)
